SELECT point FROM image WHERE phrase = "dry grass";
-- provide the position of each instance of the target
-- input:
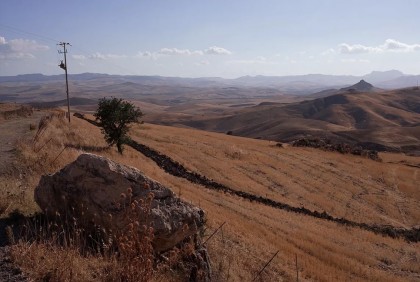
(349, 186)
(49, 262)
(126, 255)
(62, 250)
(344, 186)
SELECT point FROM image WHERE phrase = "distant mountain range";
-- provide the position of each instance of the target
(295, 84)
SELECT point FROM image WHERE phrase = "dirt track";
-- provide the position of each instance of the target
(11, 131)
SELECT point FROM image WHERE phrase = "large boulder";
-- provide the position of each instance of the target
(97, 192)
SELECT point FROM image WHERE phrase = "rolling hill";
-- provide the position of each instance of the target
(356, 188)
(389, 118)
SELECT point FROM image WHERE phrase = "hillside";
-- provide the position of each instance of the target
(355, 188)
(390, 118)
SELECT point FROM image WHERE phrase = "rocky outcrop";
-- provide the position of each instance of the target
(97, 192)
(343, 148)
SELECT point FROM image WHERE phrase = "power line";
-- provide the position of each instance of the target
(41, 37)
(45, 38)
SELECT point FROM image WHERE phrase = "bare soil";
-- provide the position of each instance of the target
(11, 131)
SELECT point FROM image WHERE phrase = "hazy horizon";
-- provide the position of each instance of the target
(210, 39)
(174, 76)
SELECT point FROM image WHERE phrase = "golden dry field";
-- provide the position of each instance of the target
(356, 188)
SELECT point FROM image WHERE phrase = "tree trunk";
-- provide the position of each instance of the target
(119, 147)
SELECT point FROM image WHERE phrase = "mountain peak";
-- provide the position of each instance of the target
(361, 86)
(364, 84)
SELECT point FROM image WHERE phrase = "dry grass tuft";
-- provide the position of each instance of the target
(134, 244)
(61, 250)
(51, 262)
(4, 206)
(234, 153)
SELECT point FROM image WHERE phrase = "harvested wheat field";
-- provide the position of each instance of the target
(355, 188)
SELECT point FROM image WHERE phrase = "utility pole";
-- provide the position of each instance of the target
(64, 67)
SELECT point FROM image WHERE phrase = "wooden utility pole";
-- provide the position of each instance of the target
(64, 67)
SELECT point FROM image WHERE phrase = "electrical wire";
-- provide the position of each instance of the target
(48, 39)
(20, 31)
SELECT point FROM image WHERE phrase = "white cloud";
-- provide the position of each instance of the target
(345, 48)
(79, 57)
(115, 56)
(25, 45)
(100, 56)
(390, 45)
(394, 45)
(214, 50)
(203, 63)
(97, 56)
(20, 48)
(147, 54)
(144, 54)
(156, 54)
(16, 55)
(260, 60)
(328, 52)
(351, 61)
(176, 51)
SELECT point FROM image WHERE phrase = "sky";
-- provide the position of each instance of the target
(213, 38)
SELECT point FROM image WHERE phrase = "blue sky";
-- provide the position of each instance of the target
(210, 38)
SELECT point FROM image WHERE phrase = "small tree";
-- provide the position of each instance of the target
(114, 116)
